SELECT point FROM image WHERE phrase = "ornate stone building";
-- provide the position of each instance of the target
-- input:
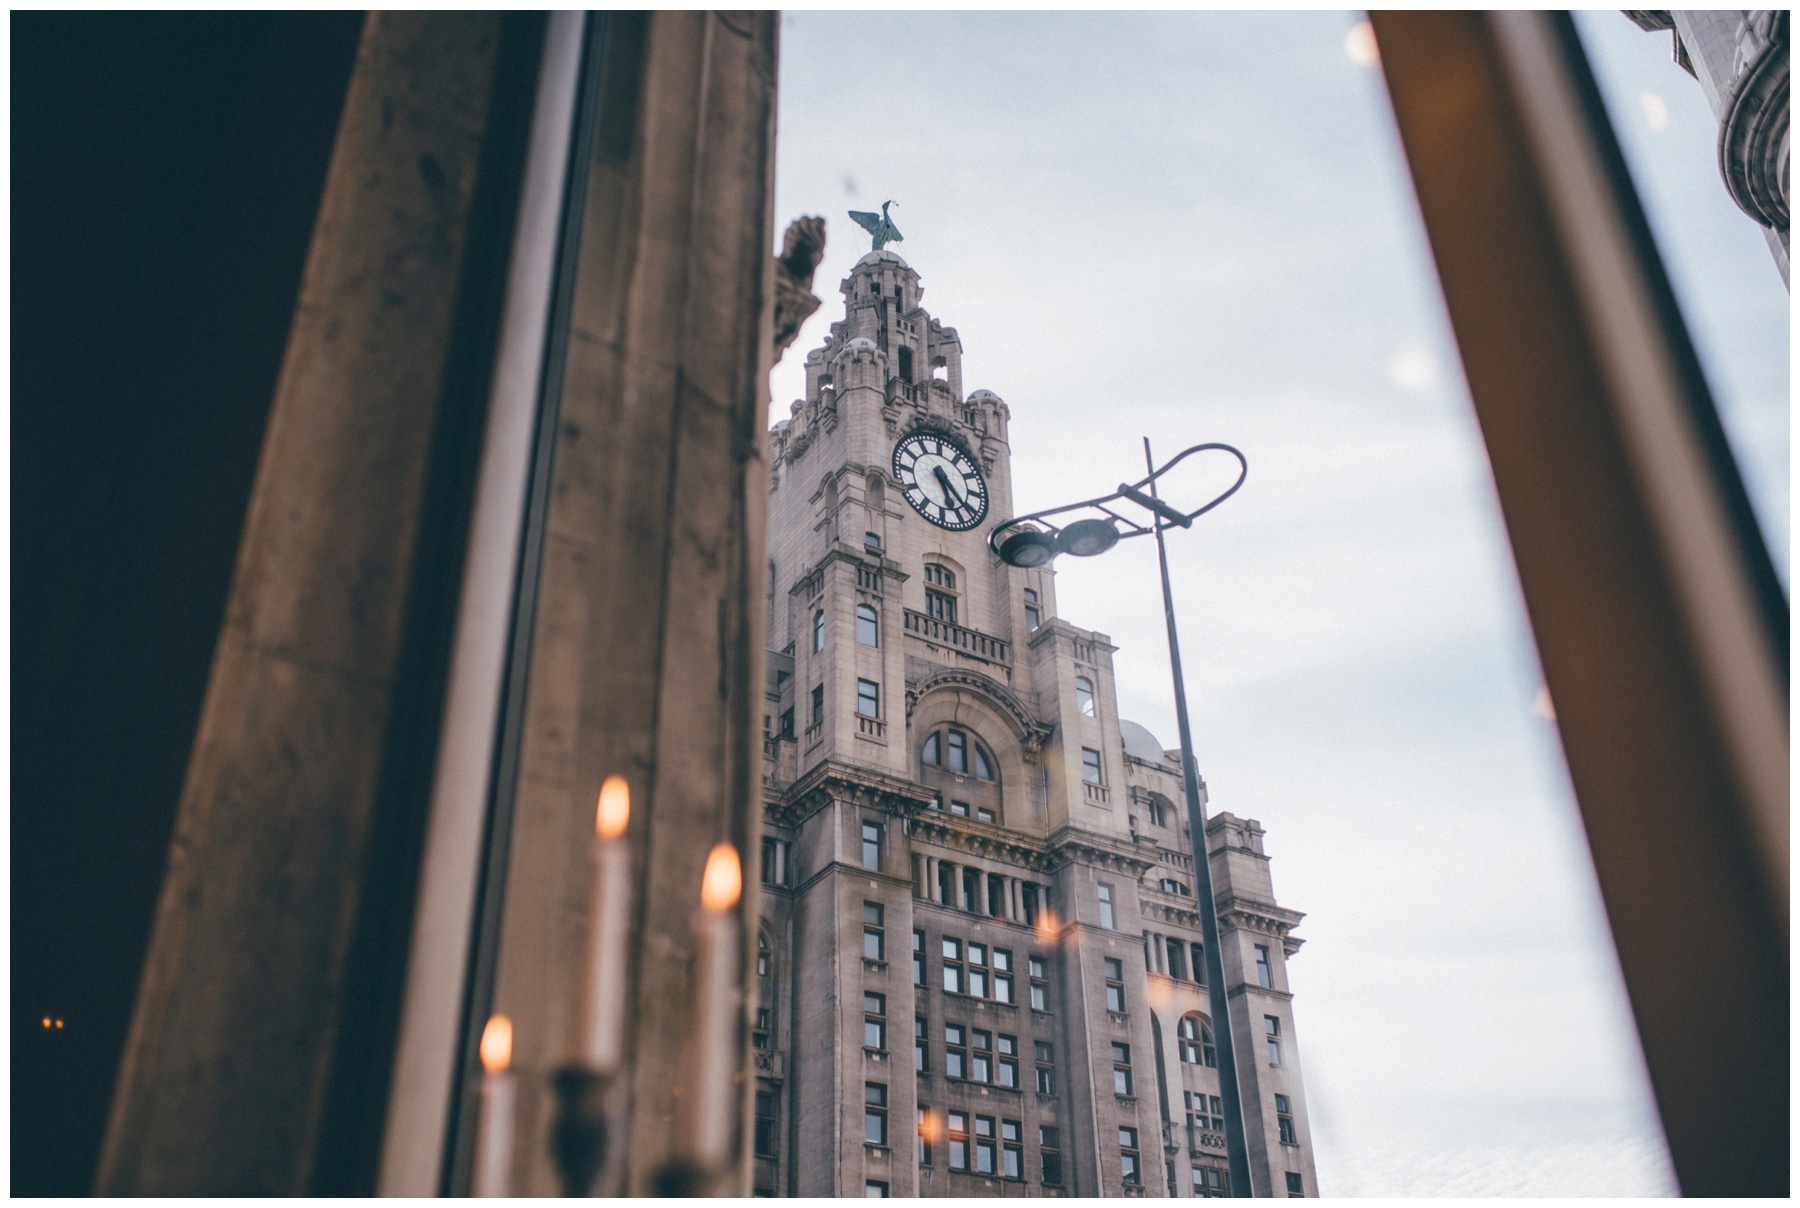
(978, 954)
(1740, 58)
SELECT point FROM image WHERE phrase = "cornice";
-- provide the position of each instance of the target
(1254, 914)
(835, 781)
(1069, 846)
(980, 839)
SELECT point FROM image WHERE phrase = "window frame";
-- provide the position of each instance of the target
(875, 1113)
(874, 929)
(1092, 770)
(1084, 699)
(867, 615)
(868, 692)
(1103, 893)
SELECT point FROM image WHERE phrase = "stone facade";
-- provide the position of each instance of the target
(978, 949)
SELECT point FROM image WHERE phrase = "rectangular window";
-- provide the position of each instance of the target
(977, 974)
(927, 1130)
(1033, 616)
(956, 1127)
(1272, 1033)
(921, 1049)
(774, 862)
(953, 970)
(765, 1124)
(1284, 1121)
(1003, 982)
(1177, 950)
(1104, 892)
(1012, 1154)
(940, 606)
(918, 958)
(1049, 1148)
(959, 750)
(1090, 765)
(874, 1021)
(1040, 987)
(871, 846)
(874, 939)
(787, 722)
(984, 814)
(1045, 1055)
(1008, 1061)
(1199, 954)
(868, 698)
(873, 1190)
(1264, 975)
(984, 1145)
(1115, 984)
(875, 1113)
(1295, 1186)
(959, 808)
(956, 1051)
(1121, 1055)
(981, 1057)
(1128, 1156)
(1212, 1182)
(818, 705)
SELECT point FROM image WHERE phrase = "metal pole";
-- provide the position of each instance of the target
(1237, 1153)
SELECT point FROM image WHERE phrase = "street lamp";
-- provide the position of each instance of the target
(1029, 541)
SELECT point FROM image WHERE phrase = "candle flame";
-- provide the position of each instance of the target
(615, 808)
(496, 1045)
(723, 881)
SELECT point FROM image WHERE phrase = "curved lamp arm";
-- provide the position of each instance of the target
(1134, 492)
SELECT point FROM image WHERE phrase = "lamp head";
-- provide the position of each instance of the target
(1028, 548)
(1085, 538)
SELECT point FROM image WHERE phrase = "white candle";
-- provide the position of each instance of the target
(494, 1119)
(712, 1090)
(602, 1041)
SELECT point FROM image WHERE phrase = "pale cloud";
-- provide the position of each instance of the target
(1656, 111)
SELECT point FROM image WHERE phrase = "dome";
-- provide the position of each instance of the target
(883, 254)
(987, 394)
(1140, 743)
(861, 344)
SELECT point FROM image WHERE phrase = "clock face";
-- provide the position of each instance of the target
(942, 482)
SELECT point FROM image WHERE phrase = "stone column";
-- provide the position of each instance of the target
(981, 887)
(647, 653)
(257, 1056)
(932, 885)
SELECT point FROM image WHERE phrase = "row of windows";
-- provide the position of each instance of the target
(967, 971)
(993, 1146)
(940, 603)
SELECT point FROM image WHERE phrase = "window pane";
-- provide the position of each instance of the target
(1090, 765)
(867, 628)
(959, 751)
(981, 764)
(871, 945)
(930, 754)
(868, 698)
(1084, 695)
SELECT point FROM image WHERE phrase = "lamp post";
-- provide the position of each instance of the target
(1033, 541)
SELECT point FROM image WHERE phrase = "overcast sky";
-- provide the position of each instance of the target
(1198, 226)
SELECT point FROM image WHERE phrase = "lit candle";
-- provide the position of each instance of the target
(494, 1125)
(712, 1084)
(602, 1042)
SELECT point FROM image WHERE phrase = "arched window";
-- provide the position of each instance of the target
(940, 592)
(1084, 695)
(1194, 1041)
(959, 751)
(818, 630)
(763, 956)
(868, 628)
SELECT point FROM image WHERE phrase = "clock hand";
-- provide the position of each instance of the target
(944, 481)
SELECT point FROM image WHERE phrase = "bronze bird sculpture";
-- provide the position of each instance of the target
(879, 226)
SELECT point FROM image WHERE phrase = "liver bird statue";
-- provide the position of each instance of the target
(880, 226)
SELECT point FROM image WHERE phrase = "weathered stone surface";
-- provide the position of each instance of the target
(229, 1060)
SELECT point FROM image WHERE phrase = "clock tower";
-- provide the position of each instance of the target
(976, 970)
